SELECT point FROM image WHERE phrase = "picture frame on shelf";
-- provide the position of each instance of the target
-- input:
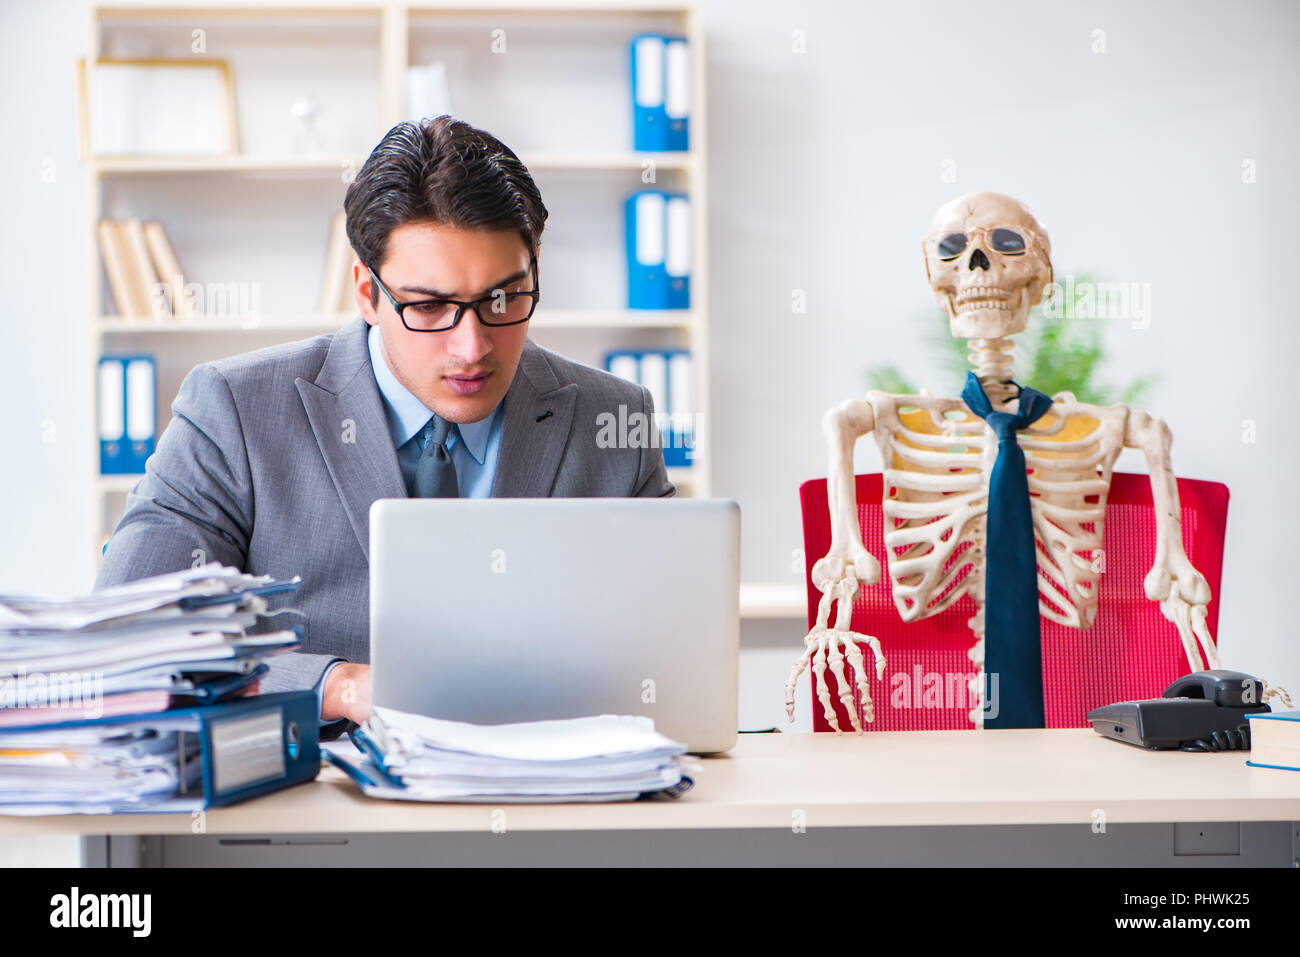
(157, 107)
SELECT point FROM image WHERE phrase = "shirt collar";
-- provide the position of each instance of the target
(407, 415)
(476, 434)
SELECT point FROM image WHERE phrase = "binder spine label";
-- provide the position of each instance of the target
(247, 750)
(650, 238)
(649, 67)
(677, 255)
(677, 97)
(112, 400)
(140, 400)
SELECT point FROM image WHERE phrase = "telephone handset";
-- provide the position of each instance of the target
(1203, 711)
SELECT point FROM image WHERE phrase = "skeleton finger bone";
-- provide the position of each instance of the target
(1279, 692)
(823, 645)
(831, 641)
(841, 679)
(795, 671)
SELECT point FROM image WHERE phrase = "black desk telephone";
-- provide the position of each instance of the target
(1203, 711)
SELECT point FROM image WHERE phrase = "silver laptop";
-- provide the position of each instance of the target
(502, 610)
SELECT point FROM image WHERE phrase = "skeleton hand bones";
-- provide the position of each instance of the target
(837, 578)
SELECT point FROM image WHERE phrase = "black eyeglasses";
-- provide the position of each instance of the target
(439, 315)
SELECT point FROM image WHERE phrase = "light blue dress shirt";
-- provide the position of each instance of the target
(473, 445)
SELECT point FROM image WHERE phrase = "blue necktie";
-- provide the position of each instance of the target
(1012, 648)
(435, 473)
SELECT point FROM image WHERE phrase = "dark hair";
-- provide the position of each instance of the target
(443, 171)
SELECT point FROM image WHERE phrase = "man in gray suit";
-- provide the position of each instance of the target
(273, 458)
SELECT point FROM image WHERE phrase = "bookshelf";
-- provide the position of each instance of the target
(559, 96)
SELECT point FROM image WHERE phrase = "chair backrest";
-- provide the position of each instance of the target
(1131, 651)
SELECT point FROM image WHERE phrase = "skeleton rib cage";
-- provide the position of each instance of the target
(939, 458)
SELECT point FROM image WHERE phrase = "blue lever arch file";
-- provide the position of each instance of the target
(127, 394)
(657, 235)
(227, 752)
(646, 225)
(660, 69)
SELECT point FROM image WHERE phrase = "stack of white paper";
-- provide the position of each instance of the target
(91, 770)
(139, 648)
(602, 758)
(183, 633)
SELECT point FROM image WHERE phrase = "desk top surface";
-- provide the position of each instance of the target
(895, 778)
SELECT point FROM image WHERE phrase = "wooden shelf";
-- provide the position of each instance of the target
(117, 325)
(114, 9)
(630, 8)
(773, 600)
(613, 318)
(545, 319)
(125, 165)
(109, 484)
(138, 165)
(629, 160)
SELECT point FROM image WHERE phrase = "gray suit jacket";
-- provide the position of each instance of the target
(273, 458)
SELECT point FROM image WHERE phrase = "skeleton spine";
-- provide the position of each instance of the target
(992, 361)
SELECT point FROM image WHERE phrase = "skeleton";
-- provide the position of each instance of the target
(988, 261)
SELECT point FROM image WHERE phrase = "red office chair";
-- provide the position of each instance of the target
(1132, 651)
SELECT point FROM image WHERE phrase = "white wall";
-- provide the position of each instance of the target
(825, 168)
(45, 515)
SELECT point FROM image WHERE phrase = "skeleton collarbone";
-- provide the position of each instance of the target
(938, 459)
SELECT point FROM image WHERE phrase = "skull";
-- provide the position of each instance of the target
(988, 261)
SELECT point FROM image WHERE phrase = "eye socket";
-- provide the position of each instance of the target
(951, 246)
(1007, 241)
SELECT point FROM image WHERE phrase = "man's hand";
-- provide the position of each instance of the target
(347, 693)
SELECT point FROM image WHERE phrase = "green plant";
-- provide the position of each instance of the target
(1061, 354)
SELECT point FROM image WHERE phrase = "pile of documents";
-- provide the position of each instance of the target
(601, 758)
(74, 670)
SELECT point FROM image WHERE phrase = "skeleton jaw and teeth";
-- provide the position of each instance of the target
(975, 298)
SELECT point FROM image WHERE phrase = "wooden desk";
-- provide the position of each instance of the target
(1068, 781)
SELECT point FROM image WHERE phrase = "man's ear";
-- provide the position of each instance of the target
(361, 290)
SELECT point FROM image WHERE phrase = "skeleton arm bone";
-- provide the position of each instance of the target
(1182, 591)
(837, 576)
(843, 425)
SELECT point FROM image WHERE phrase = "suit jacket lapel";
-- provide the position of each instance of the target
(538, 416)
(347, 418)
